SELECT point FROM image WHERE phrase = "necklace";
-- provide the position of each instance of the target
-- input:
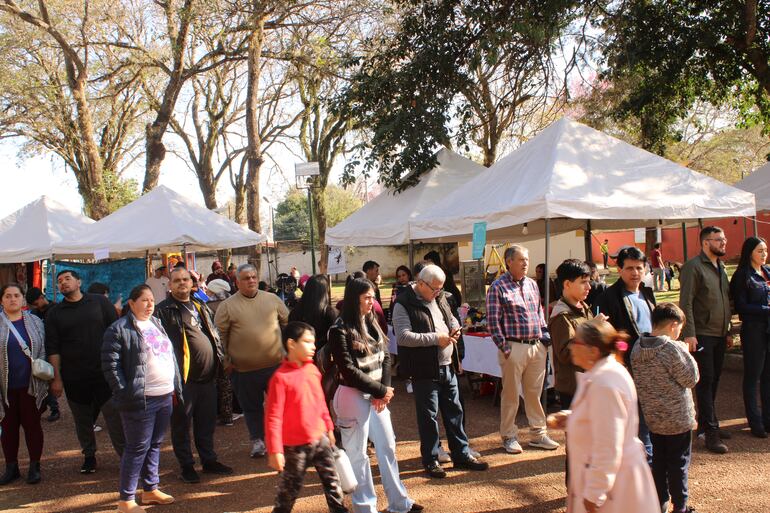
(193, 314)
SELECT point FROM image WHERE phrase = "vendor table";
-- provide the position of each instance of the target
(481, 356)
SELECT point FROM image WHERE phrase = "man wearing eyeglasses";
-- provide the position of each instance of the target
(519, 329)
(426, 332)
(704, 298)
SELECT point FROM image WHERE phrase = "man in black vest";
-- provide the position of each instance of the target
(191, 329)
(426, 332)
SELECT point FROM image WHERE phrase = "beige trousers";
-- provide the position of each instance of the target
(523, 372)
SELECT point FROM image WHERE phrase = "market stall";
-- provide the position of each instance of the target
(38, 230)
(572, 177)
(384, 221)
(161, 221)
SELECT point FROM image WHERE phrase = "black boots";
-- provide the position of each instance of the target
(33, 476)
(11, 473)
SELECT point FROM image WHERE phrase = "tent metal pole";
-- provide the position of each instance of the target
(410, 252)
(546, 287)
(756, 226)
(684, 241)
(269, 271)
(53, 276)
(587, 241)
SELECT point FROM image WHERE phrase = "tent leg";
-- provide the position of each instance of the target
(53, 277)
(684, 241)
(756, 226)
(546, 300)
(269, 271)
(587, 242)
(410, 252)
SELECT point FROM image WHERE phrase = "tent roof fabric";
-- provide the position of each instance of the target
(35, 231)
(571, 173)
(758, 182)
(385, 219)
(162, 220)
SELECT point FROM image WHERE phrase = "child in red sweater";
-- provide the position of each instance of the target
(298, 427)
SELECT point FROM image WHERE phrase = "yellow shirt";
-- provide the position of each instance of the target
(250, 329)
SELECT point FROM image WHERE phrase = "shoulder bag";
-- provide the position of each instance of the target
(41, 369)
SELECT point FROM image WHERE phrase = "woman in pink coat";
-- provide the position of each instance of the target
(608, 471)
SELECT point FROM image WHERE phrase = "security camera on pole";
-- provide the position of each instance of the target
(305, 173)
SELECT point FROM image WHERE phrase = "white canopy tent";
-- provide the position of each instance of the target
(571, 176)
(758, 182)
(161, 221)
(576, 177)
(37, 230)
(385, 220)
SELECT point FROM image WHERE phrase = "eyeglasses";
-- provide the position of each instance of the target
(436, 291)
(721, 239)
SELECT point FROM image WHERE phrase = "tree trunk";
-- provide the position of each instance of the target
(95, 197)
(254, 149)
(207, 185)
(319, 210)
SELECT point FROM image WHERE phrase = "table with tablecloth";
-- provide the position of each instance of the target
(481, 356)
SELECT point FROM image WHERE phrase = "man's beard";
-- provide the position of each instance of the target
(719, 251)
(70, 293)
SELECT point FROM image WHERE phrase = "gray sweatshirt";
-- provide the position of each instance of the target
(664, 373)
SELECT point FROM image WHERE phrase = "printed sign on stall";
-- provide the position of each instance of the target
(337, 263)
(479, 239)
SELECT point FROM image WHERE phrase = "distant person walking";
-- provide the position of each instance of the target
(658, 268)
(604, 247)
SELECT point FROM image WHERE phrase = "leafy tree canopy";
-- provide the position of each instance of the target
(674, 53)
(406, 92)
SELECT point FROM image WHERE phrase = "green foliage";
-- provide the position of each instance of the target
(674, 53)
(407, 92)
(291, 215)
(119, 191)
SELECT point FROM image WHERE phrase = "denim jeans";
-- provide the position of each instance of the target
(358, 421)
(710, 356)
(755, 341)
(644, 435)
(430, 397)
(670, 464)
(250, 388)
(144, 430)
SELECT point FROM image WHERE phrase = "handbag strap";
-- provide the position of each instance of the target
(19, 338)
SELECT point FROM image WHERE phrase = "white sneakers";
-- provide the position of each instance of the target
(512, 446)
(443, 456)
(544, 442)
(258, 449)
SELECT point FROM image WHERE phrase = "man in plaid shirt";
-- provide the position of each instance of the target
(518, 327)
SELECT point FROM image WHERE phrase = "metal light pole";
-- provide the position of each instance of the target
(305, 173)
(745, 234)
(272, 235)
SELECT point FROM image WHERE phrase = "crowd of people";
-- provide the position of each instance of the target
(319, 377)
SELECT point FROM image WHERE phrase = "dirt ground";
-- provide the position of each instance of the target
(530, 482)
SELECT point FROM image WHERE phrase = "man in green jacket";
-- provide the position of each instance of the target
(704, 299)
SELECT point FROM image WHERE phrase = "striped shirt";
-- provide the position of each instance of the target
(514, 311)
